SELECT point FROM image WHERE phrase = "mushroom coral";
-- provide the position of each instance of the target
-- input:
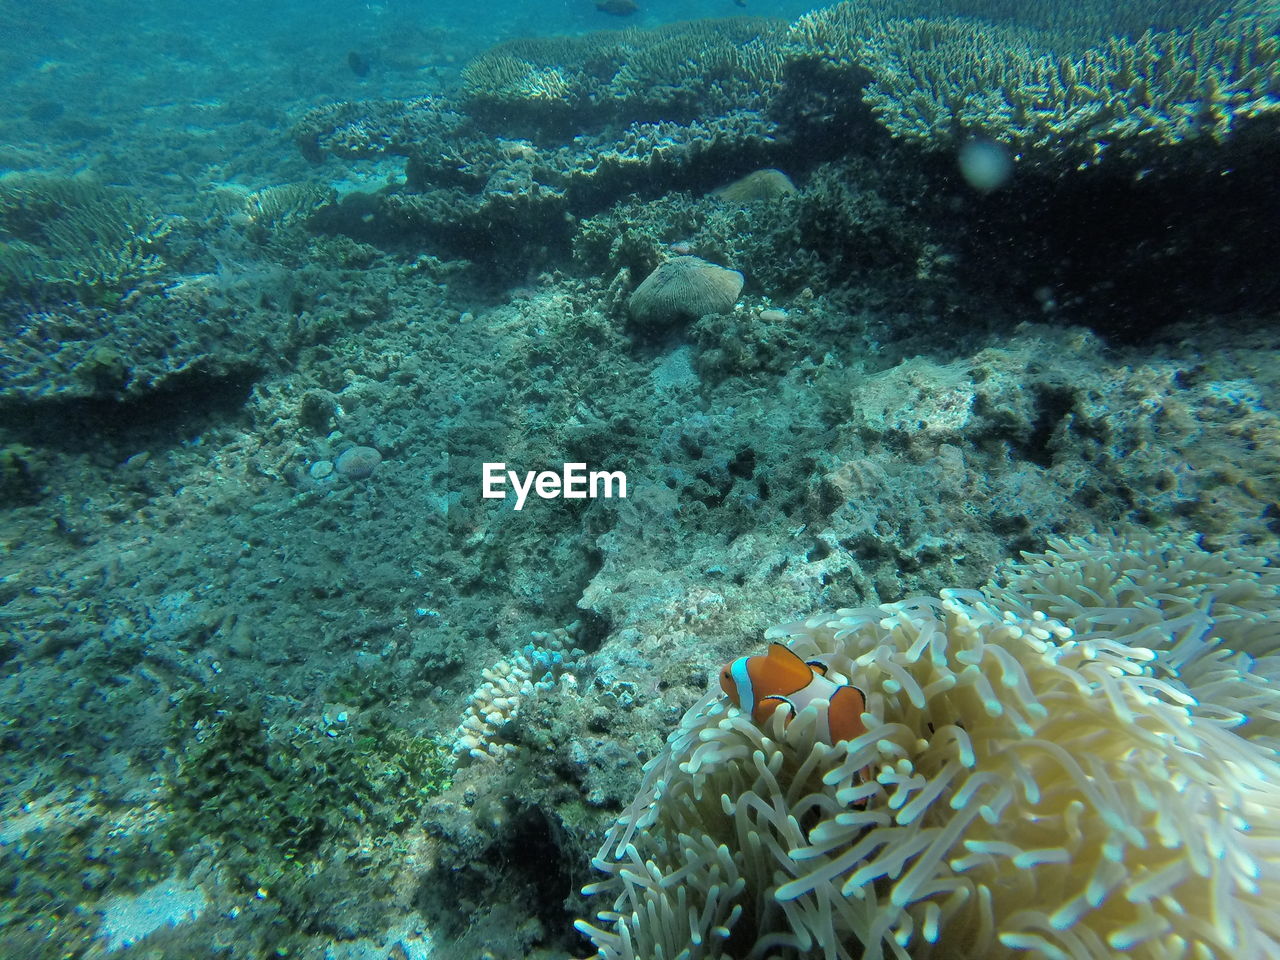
(684, 288)
(1028, 785)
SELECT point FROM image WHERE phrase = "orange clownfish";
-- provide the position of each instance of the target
(760, 684)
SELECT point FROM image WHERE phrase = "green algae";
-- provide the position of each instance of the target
(277, 797)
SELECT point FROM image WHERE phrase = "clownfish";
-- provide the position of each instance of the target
(760, 684)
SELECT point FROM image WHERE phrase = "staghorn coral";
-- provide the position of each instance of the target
(1024, 787)
(938, 79)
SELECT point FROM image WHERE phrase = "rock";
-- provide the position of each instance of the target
(357, 462)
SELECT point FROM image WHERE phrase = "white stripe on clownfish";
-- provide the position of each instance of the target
(742, 684)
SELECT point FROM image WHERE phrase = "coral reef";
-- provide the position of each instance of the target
(851, 223)
(133, 328)
(1057, 86)
(251, 589)
(538, 669)
(1055, 83)
(549, 133)
(374, 128)
(679, 71)
(940, 81)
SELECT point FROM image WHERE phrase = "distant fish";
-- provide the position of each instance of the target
(45, 111)
(739, 3)
(358, 63)
(617, 8)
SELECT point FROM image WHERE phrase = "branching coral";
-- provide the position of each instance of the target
(539, 667)
(376, 127)
(284, 205)
(698, 66)
(1024, 787)
(76, 235)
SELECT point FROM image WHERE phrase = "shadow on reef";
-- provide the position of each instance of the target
(510, 896)
(1130, 250)
(184, 408)
(112, 432)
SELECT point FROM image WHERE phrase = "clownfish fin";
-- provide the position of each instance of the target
(782, 651)
(844, 714)
(786, 658)
(766, 706)
(818, 667)
(782, 671)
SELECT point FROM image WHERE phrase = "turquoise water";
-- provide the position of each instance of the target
(406, 411)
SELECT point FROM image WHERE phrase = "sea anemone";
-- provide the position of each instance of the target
(1025, 786)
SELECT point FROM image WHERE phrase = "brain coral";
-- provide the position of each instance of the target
(684, 288)
(1033, 790)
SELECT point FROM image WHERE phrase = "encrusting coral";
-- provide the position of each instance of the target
(1027, 786)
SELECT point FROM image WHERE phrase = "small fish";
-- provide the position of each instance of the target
(617, 8)
(358, 63)
(739, 3)
(760, 684)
